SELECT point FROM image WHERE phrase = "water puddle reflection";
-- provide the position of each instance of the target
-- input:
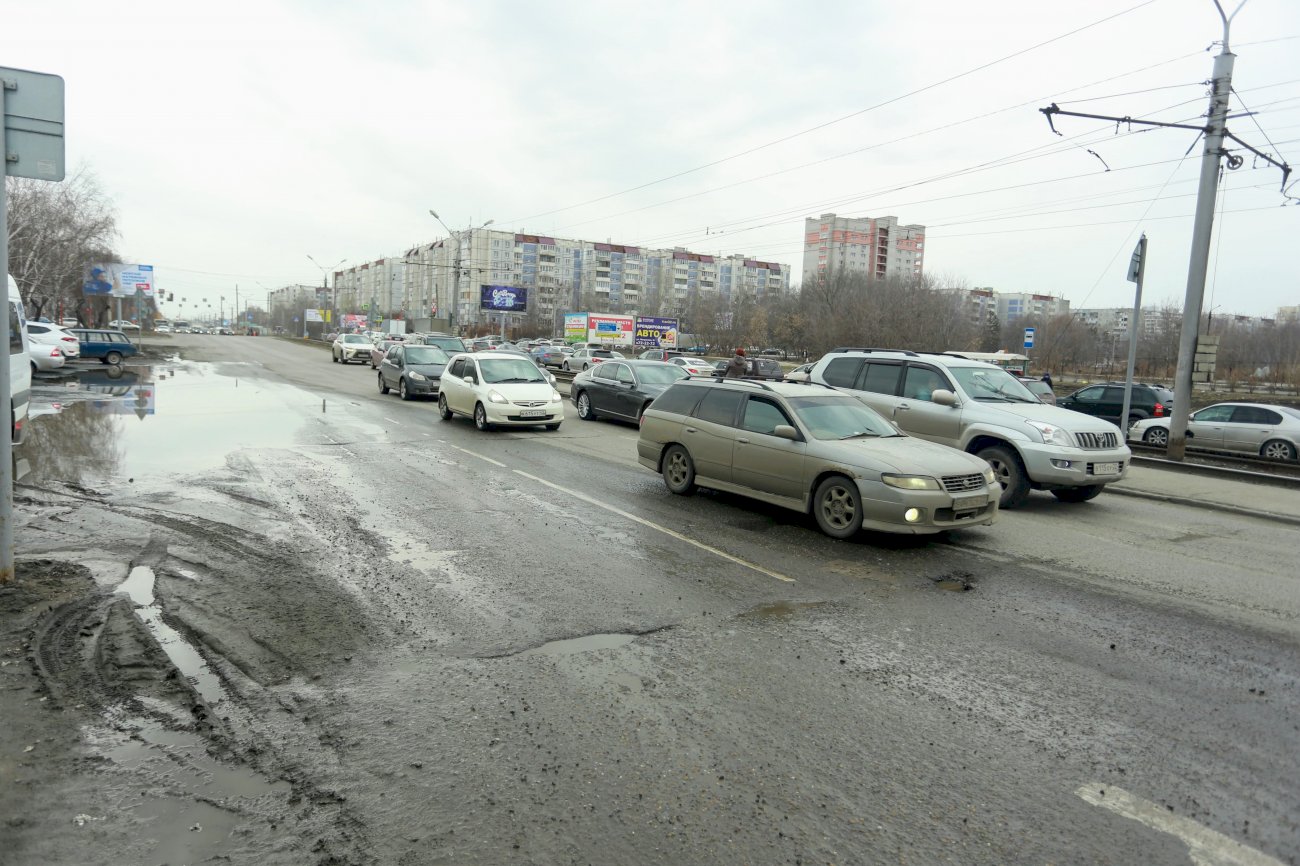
(584, 644)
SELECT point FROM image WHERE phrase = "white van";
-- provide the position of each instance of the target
(20, 365)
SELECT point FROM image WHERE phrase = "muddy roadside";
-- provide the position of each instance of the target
(160, 691)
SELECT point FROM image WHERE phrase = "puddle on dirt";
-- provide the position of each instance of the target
(779, 609)
(588, 643)
(139, 587)
(143, 422)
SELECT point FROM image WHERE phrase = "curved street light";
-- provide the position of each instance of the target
(456, 235)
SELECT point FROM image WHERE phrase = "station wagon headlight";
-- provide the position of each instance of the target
(496, 398)
(910, 482)
(419, 377)
(1052, 435)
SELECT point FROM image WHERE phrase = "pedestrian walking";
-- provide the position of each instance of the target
(1047, 377)
(737, 366)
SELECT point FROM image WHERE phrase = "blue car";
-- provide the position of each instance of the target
(110, 347)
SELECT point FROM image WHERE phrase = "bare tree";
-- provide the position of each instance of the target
(55, 231)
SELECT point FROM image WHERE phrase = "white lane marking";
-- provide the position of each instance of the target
(480, 456)
(1205, 846)
(655, 526)
(391, 421)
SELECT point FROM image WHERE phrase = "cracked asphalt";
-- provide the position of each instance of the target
(371, 637)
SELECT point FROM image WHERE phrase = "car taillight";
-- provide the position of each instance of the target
(1160, 409)
(54, 353)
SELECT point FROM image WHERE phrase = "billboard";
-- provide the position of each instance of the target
(614, 330)
(503, 299)
(575, 327)
(112, 279)
(656, 333)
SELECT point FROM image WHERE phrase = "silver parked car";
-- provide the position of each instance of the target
(1257, 429)
(811, 449)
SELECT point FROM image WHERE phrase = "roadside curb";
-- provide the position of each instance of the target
(1289, 519)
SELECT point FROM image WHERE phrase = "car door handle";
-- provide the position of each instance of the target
(742, 441)
(691, 430)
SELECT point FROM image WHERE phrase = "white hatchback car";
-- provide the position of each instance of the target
(499, 389)
(46, 334)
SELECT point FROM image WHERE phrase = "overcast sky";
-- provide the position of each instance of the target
(240, 138)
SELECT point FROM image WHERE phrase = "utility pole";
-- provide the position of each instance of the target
(1137, 271)
(1215, 132)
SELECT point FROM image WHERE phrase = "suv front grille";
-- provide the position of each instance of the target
(960, 483)
(1097, 441)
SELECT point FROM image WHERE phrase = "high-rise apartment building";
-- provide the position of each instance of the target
(567, 275)
(878, 246)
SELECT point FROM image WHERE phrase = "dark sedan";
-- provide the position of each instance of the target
(550, 356)
(621, 389)
(414, 370)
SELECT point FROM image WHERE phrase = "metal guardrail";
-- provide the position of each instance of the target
(1231, 468)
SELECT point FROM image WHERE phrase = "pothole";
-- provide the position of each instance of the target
(955, 581)
(587, 643)
(779, 609)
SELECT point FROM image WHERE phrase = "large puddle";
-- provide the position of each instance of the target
(169, 419)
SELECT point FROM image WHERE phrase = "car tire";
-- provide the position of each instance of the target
(403, 391)
(565, 368)
(678, 471)
(334, 356)
(584, 407)
(444, 411)
(480, 417)
(113, 358)
(1277, 449)
(1010, 473)
(1156, 437)
(1078, 494)
(34, 370)
(383, 387)
(552, 427)
(641, 414)
(837, 505)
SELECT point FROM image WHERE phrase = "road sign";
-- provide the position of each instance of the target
(1029, 338)
(33, 124)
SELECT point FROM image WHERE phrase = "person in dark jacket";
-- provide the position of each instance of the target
(738, 365)
(1047, 377)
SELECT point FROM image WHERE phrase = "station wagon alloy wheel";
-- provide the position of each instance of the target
(679, 471)
(837, 509)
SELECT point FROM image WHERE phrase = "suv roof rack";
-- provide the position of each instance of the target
(861, 349)
(721, 378)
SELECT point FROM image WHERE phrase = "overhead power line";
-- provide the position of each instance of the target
(840, 119)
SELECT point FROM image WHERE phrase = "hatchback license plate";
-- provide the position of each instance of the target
(532, 413)
(1105, 469)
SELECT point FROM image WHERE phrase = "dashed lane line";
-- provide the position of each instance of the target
(655, 526)
(1206, 847)
(476, 454)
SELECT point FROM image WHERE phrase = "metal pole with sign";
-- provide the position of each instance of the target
(1136, 271)
(31, 105)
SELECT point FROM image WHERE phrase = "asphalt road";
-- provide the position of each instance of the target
(434, 645)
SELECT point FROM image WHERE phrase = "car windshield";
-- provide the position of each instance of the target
(425, 355)
(840, 417)
(354, 338)
(451, 344)
(660, 375)
(500, 370)
(992, 384)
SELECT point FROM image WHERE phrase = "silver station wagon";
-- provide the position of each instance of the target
(809, 448)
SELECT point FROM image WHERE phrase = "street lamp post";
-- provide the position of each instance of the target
(324, 282)
(455, 236)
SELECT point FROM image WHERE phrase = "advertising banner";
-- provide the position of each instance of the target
(575, 327)
(656, 333)
(112, 279)
(613, 330)
(503, 299)
(355, 321)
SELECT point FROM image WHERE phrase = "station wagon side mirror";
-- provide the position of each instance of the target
(785, 431)
(469, 380)
(944, 397)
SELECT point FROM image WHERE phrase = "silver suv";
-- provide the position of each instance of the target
(982, 409)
